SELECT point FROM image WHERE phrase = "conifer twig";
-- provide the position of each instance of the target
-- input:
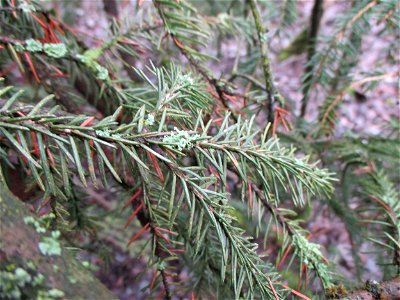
(219, 85)
(144, 219)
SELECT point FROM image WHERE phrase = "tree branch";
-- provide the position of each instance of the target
(269, 85)
(315, 21)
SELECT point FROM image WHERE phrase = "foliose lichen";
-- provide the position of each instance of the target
(50, 245)
(29, 220)
(26, 7)
(55, 50)
(89, 59)
(33, 45)
(101, 72)
(150, 120)
(19, 47)
(24, 282)
(311, 255)
(180, 139)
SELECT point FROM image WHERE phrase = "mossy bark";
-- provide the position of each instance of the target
(19, 243)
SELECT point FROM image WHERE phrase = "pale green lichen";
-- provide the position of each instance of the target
(29, 220)
(41, 224)
(19, 47)
(103, 133)
(187, 79)
(106, 133)
(26, 7)
(51, 49)
(101, 72)
(311, 255)
(38, 279)
(264, 38)
(150, 120)
(72, 279)
(22, 277)
(86, 264)
(55, 293)
(89, 59)
(83, 58)
(181, 139)
(161, 265)
(50, 294)
(55, 50)
(50, 245)
(17, 283)
(33, 45)
(310, 252)
(92, 54)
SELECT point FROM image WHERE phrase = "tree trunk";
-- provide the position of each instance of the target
(19, 246)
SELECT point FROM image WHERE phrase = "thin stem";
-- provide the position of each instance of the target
(251, 79)
(261, 32)
(337, 37)
(315, 21)
(144, 218)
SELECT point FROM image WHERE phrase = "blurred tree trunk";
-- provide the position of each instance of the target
(387, 290)
(19, 244)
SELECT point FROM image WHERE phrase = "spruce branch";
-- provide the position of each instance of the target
(221, 87)
(316, 261)
(213, 203)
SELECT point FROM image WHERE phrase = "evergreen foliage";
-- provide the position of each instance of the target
(211, 191)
